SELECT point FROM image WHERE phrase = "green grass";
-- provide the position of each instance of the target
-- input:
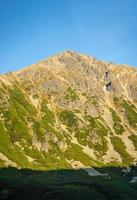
(55, 132)
(2, 163)
(69, 118)
(75, 152)
(131, 113)
(19, 131)
(100, 148)
(39, 129)
(71, 94)
(134, 140)
(16, 116)
(49, 115)
(16, 125)
(39, 159)
(85, 134)
(81, 135)
(119, 147)
(92, 132)
(17, 95)
(88, 134)
(119, 129)
(98, 126)
(57, 158)
(12, 153)
(92, 100)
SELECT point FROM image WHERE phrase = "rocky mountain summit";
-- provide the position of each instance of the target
(69, 111)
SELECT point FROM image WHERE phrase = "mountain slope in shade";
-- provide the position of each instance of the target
(69, 111)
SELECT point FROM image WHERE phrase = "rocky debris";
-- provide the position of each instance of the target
(106, 76)
(109, 86)
(7, 161)
(93, 172)
(134, 179)
(126, 170)
(62, 145)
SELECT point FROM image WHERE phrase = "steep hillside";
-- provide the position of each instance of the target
(69, 111)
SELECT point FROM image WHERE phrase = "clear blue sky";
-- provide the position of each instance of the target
(31, 30)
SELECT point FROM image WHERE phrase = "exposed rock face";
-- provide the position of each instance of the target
(58, 107)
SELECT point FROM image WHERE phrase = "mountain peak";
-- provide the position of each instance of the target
(69, 111)
(67, 54)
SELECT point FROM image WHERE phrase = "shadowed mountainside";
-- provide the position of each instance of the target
(67, 184)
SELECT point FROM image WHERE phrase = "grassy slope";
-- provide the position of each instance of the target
(14, 130)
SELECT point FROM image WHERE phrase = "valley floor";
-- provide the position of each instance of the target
(67, 184)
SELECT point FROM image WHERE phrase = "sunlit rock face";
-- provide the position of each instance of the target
(68, 105)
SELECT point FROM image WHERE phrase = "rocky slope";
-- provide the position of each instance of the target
(69, 111)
